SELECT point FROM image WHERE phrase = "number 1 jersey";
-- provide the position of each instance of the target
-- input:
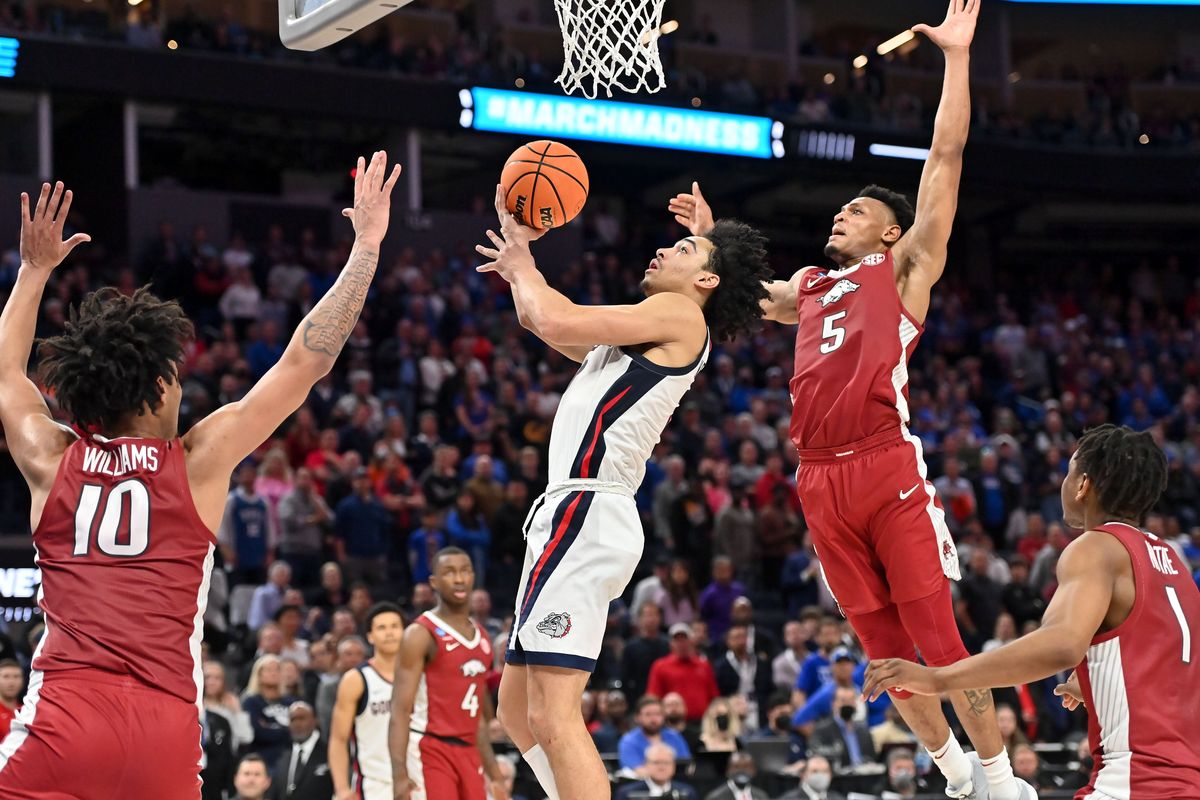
(852, 348)
(125, 561)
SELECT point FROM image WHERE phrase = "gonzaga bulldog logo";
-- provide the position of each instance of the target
(556, 626)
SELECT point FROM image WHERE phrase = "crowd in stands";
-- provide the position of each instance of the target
(865, 97)
(727, 662)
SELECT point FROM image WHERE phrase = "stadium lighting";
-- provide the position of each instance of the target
(897, 151)
(860, 61)
(899, 40)
(670, 26)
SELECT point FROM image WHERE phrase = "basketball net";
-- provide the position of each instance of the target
(610, 44)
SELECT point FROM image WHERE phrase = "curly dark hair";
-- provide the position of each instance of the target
(901, 208)
(739, 258)
(106, 363)
(1127, 468)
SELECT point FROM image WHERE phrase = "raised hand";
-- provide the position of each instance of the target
(511, 251)
(42, 245)
(957, 29)
(692, 211)
(1070, 692)
(372, 199)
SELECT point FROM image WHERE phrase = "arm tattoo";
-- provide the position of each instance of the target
(331, 322)
(979, 700)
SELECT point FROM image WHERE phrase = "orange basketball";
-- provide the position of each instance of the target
(546, 184)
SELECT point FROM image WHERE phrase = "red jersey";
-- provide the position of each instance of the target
(1141, 683)
(6, 717)
(852, 349)
(125, 562)
(448, 696)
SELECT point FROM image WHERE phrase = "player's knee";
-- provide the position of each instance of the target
(546, 724)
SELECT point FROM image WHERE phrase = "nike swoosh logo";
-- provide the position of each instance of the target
(453, 646)
(908, 494)
(813, 283)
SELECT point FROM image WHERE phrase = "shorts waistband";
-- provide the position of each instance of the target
(85, 676)
(454, 740)
(587, 485)
(853, 450)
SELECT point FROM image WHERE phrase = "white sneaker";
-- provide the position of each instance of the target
(978, 787)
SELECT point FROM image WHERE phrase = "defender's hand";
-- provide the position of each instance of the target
(692, 211)
(957, 29)
(896, 673)
(403, 790)
(372, 199)
(42, 245)
(511, 252)
(1070, 692)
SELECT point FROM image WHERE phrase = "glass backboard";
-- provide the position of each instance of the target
(313, 24)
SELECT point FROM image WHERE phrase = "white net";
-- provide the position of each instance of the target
(610, 44)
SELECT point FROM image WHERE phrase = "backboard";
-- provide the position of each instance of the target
(313, 24)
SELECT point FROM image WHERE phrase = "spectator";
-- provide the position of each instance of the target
(508, 770)
(733, 529)
(216, 740)
(814, 782)
(842, 739)
(780, 530)
(892, 731)
(1044, 565)
(902, 781)
(785, 669)
(508, 538)
(740, 773)
(274, 481)
(957, 495)
(658, 779)
(716, 601)
(678, 598)
(304, 521)
(983, 595)
(649, 731)
(647, 588)
(220, 701)
(290, 620)
(1019, 598)
(640, 652)
(267, 705)
(268, 598)
(423, 544)
(614, 722)
(331, 593)
(743, 673)
(245, 535)
(326, 462)
(800, 582)
(351, 651)
(303, 773)
(676, 716)
(11, 682)
(845, 674)
(720, 727)
(481, 612)
(253, 778)
(241, 301)
(440, 484)
(759, 640)
(1006, 631)
(1010, 731)
(364, 529)
(422, 599)
(469, 530)
(685, 672)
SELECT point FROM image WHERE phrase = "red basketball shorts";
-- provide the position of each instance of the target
(875, 521)
(89, 735)
(444, 771)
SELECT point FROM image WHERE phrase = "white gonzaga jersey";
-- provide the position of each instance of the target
(613, 414)
(372, 765)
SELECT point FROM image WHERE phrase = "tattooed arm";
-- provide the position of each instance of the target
(218, 443)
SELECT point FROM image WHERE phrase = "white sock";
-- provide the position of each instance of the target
(537, 759)
(952, 762)
(1002, 785)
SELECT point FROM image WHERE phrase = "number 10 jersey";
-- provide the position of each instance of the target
(125, 562)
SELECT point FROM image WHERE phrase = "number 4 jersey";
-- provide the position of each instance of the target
(448, 697)
(125, 561)
(852, 348)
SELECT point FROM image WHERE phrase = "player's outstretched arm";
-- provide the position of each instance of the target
(349, 694)
(920, 255)
(34, 438)
(693, 212)
(660, 319)
(416, 648)
(1085, 584)
(219, 442)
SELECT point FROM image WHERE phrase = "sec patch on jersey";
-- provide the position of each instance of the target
(873, 260)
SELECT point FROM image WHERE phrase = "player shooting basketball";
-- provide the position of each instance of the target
(875, 519)
(584, 534)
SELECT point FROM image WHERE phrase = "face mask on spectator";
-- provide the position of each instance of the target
(741, 779)
(904, 780)
(818, 781)
(846, 713)
(722, 721)
(783, 723)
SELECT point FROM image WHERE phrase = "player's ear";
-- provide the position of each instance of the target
(707, 280)
(892, 234)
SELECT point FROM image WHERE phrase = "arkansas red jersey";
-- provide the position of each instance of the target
(852, 349)
(448, 698)
(125, 562)
(1141, 683)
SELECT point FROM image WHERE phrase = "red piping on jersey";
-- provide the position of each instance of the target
(587, 458)
(563, 525)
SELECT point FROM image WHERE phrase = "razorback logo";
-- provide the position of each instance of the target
(839, 290)
(556, 626)
(473, 668)
(873, 260)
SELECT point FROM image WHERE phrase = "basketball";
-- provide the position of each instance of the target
(546, 184)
